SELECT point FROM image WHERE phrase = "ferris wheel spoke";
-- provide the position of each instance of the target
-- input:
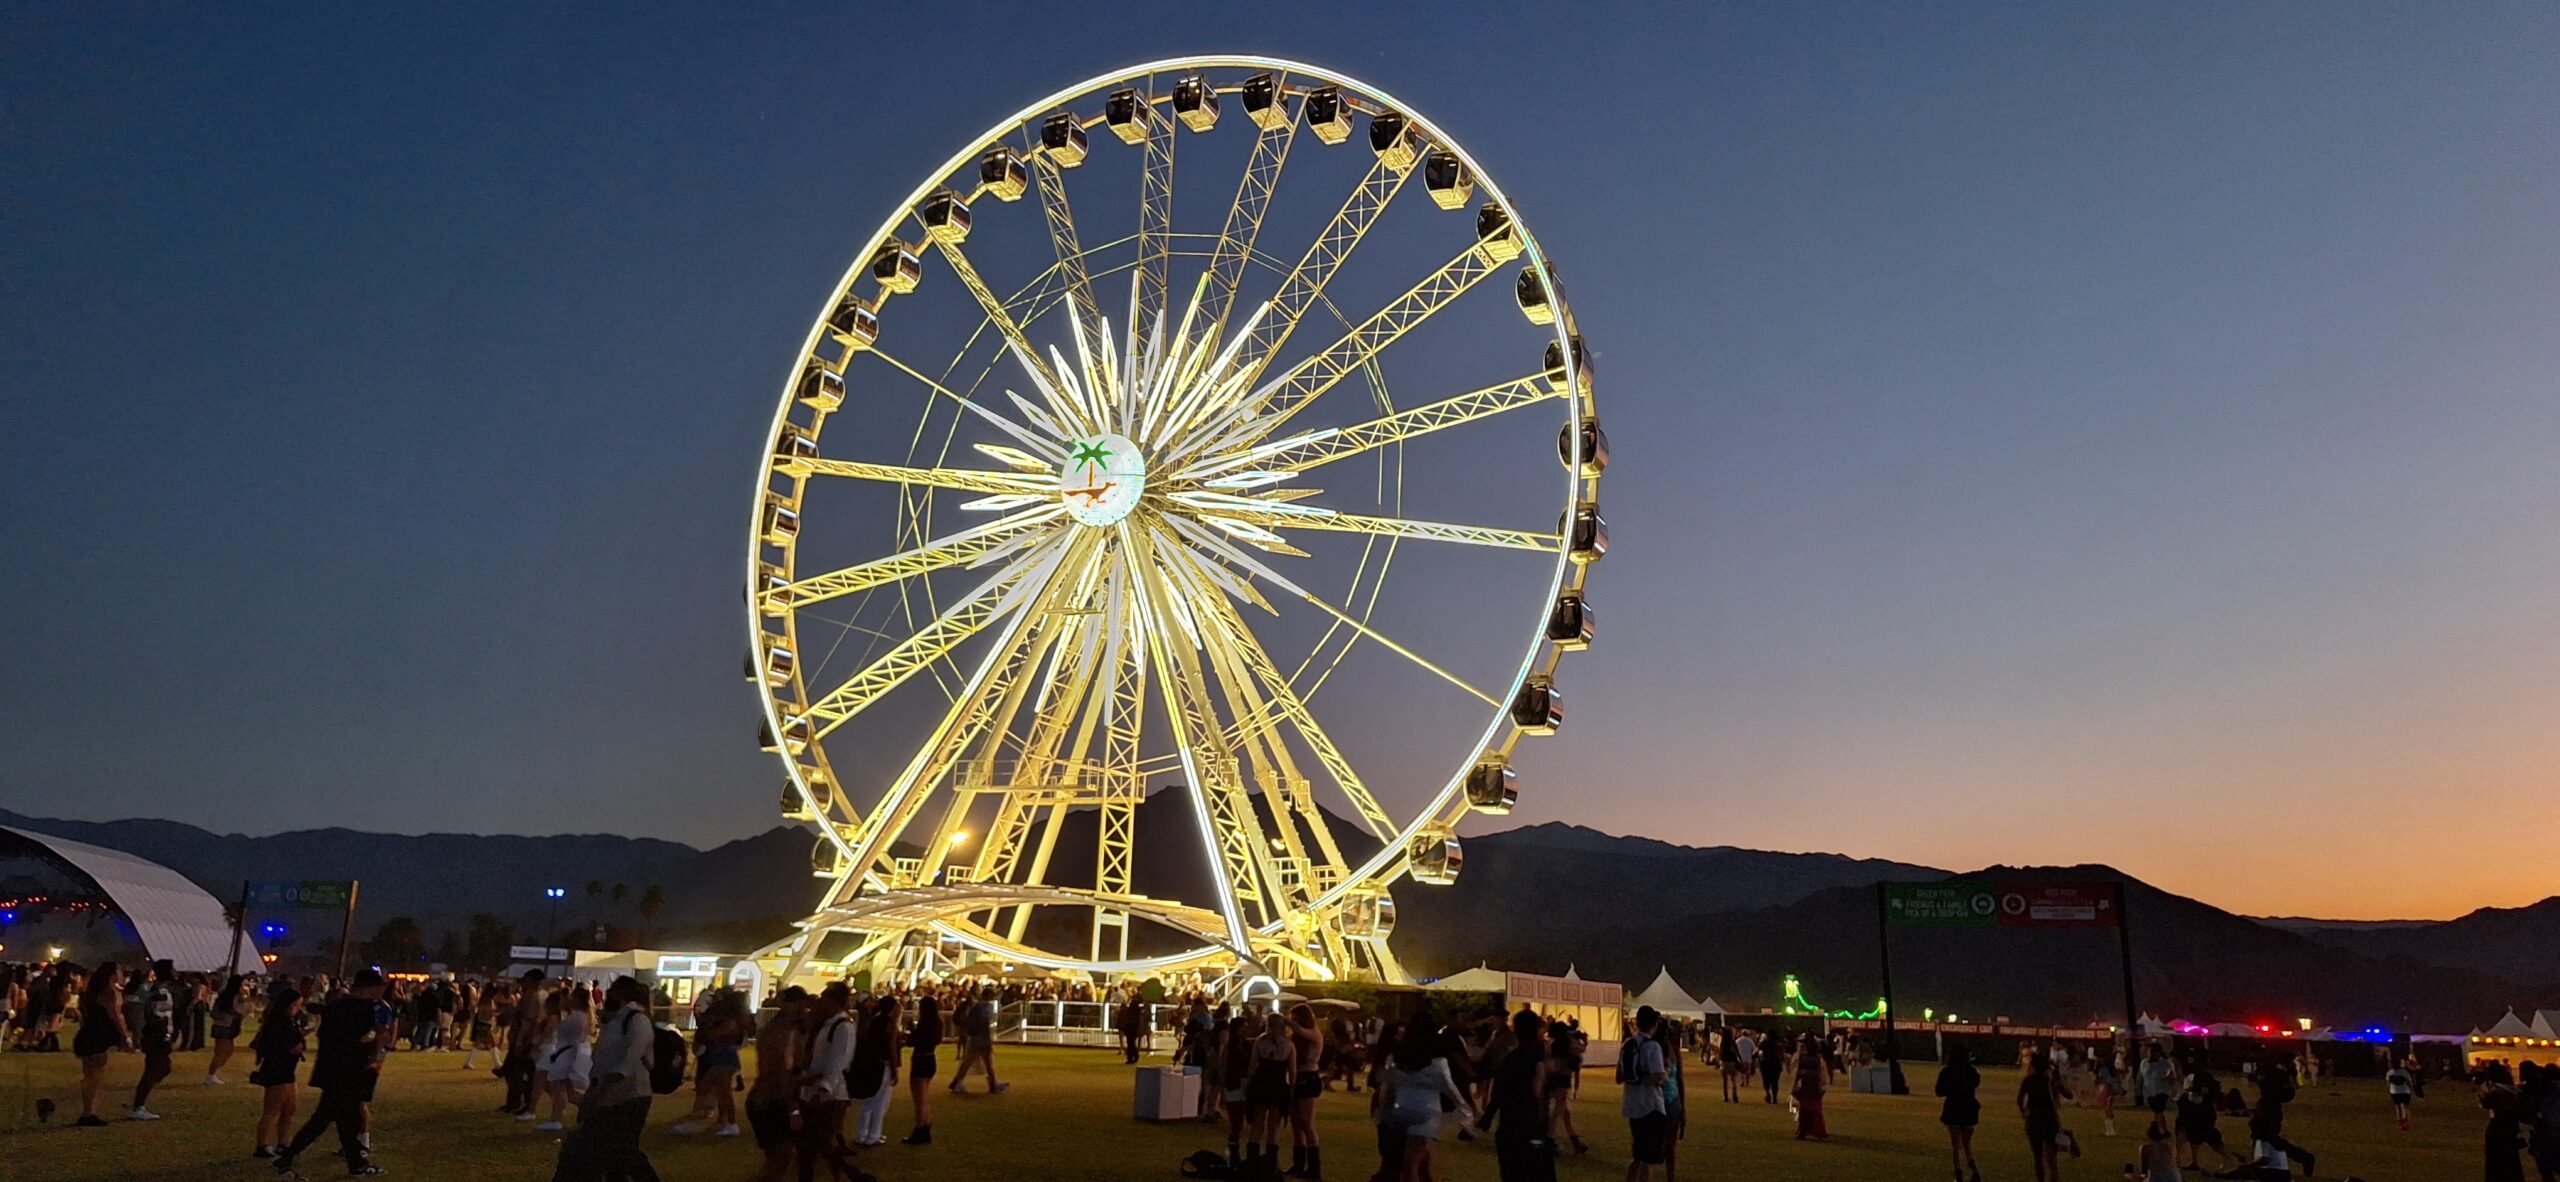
(1155, 224)
(942, 553)
(976, 704)
(1432, 531)
(1244, 220)
(1305, 283)
(1311, 449)
(997, 313)
(1287, 705)
(1265, 410)
(965, 618)
(1228, 828)
(1065, 242)
(962, 479)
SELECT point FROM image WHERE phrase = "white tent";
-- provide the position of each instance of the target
(2512, 1026)
(173, 918)
(1479, 978)
(1666, 996)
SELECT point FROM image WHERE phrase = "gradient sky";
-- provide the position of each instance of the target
(2116, 433)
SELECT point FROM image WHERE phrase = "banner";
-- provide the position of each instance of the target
(308, 896)
(1940, 905)
(2058, 905)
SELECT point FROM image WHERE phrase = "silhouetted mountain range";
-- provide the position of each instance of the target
(1728, 922)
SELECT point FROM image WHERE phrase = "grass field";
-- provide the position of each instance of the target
(1067, 1118)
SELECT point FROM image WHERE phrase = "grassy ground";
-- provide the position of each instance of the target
(1067, 1118)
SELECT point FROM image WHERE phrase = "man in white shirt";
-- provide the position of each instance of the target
(823, 1096)
(1641, 1073)
(606, 1143)
(2158, 1080)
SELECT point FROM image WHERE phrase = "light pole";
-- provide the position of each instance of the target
(555, 894)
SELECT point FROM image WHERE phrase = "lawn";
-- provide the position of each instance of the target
(1067, 1118)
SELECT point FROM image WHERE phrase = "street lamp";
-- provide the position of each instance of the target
(555, 894)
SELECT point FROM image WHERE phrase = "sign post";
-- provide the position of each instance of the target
(239, 921)
(1954, 903)
(347, 929)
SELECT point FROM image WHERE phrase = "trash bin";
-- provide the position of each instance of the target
(1167, 1093)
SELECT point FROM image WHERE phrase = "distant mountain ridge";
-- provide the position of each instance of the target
(1727, 921)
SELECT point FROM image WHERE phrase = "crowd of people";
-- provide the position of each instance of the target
(586, 1061)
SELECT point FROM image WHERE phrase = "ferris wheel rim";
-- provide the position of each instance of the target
(1388, 863)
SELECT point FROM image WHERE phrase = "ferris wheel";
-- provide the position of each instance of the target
(1147, 580)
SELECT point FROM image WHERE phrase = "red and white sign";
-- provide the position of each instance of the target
(2058, 905)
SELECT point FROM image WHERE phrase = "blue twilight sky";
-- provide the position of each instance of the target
(2044, 433)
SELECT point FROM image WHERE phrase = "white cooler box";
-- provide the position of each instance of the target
(1168, 1093)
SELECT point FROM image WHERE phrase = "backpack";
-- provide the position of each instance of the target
(1627, 1052)
(1207, 1163)
(666, 1060)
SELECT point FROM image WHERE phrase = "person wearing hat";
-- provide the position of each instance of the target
(348, 1062)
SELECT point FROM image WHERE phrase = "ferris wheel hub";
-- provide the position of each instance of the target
(1105, 476)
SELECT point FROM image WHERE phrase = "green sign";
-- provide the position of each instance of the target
(1941, 905)
(309, 896)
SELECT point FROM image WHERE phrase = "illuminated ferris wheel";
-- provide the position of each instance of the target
(1274, 498)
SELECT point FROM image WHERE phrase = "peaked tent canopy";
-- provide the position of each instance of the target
(2512, 1026)
(174, 919)
(1666, 996)
(1479, 978)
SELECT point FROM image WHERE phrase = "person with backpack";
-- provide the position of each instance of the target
(615, 1107)
(1640, 1076)
(823, 1098)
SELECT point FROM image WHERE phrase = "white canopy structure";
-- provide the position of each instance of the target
(174, 919)
(1479, 979)
(1666, 996)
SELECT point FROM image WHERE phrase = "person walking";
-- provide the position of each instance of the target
(348, 1064)
(977, 1021)
(924, 1039)
(2040, 1102)
(2398, 1082)
(1523, 1151)
(102, 1029)
(780, 1041)
(1773, 1064)
(1411, 1094)
(1812, 1080)
(1564, 1071)
(605, 1147)
(2156, 1082)
(522, 1066)
(875, 1069)
(1641, 1073)
(277, 1049)
(157, 1001)
(1960, 1110)
(229, 1014)
(567, 1065)
(1306, 1155)
(717, 1036)
(822, 1085)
